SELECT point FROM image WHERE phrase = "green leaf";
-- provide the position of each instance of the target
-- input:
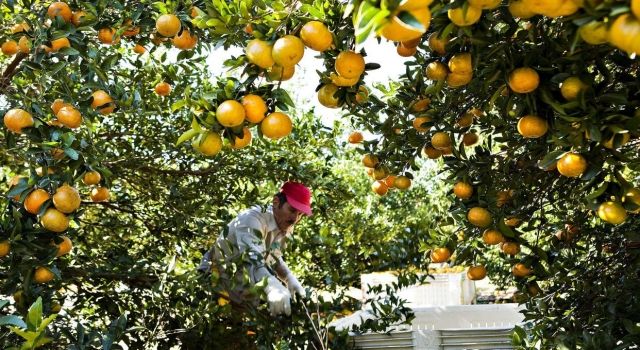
(550, 158)
(178, 104)
(47, 321)
(187, 135)
(26, 335)
(12, 320)
(34, 316)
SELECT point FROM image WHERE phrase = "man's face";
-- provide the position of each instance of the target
(286, 216)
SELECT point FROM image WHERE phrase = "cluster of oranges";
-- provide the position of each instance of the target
(53, 210)
(250, 110)
(349, 67)
(383, 179)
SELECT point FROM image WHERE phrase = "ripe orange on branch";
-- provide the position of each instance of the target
(255, 108)
(100, 194)
(91, 178)
(61, 9)
(35, 199)
(479, 217)
(572, 164)
(349, 64)
(42, 275)
(440, 255)
(66, 199)
(54, 220)
(162, 89)
(276, 125)
(316, 36)
(230, 113)
(476, 273)
(524, 80)
(17, 119)
(168, 25)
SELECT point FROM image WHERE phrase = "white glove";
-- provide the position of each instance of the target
(278, 297)
(294, 285)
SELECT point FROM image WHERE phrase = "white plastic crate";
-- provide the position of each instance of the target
(443, 289)
(454, 327)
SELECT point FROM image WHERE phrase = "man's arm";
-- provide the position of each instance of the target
(285, 274)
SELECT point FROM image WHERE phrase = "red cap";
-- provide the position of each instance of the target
(298, 196)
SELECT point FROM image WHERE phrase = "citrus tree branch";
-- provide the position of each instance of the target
(11, 70)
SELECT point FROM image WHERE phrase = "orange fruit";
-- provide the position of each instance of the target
(612, 212)
(456, 80)
(632, 196)
(20, 28)
(168, 25)
(492, 237)
(276, 125)
(635, 8)
(254, 107)
(316, 36)
(355, 137)
(440, 140)
(523, 80)
(130, 30)
(502, 197)
(421, 105)
(476, 273)
(610, 142)
(402, 182)
(397, 30)
(624, 33)
(5, 248)
(436, 71)
(108, 36)
(91, 178)
(519, 9)
(208, 143)
(101, 194)
(139, 49)
(410, 44)
(287, 51)
(349, 64)
(370, 160)
(380, 172)
(461, 63)
(9, 47)
(64, 247)
(419, 122)
(470, 139)
(54, 220)
(462, 19)
(594, 32)
(35, 199)
(102, 102)
(572, 164)
(69, 117)
(77, 17)
(512, 221)
(162, 88)
(327, 96)
(543, 6)
(485, 4)
(465, 120)
(42, 275)
(430, 152)
(362, 95)
(479, 216)
(404, 51)
(440, 255)
(532, 126)
(567, 8)
(185, 41)
(230, 113)
(510, 248)
(389, 180)
(437, 44)
(24, 44)
(571, 87)
(259, 52)
(60, 43)
(380, 187)
(61, 9)
(521, 270)
(66, 199)
(462, 190)
(17, 119)
(281, 73)
(242, 141)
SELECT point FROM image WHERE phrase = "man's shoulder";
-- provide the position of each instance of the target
(253, 215)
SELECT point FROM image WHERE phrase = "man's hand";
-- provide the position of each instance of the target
(294, 285)
(278, 297)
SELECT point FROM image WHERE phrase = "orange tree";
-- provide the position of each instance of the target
(533, 107)
(122, 160)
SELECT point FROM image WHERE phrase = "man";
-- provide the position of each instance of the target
(261, 234)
